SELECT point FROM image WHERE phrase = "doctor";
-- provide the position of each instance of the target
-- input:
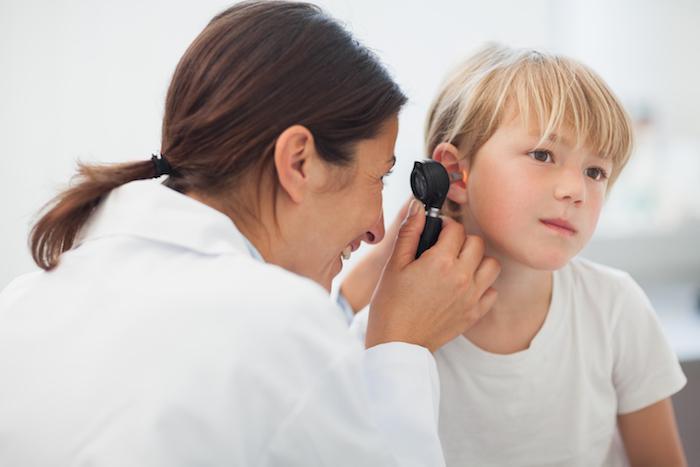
(188, 322)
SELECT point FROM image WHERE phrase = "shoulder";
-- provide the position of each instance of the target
(605, 282)
(622, 325)
(245, 281)
(233, 299)
(610, 291)
(269, 330)
(590, 273)
(237, 290)
(17, 287)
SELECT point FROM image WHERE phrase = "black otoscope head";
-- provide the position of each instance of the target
(430, 183)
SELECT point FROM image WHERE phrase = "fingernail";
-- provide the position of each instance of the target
(412, 208)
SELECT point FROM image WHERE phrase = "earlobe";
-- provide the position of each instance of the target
(458, 169)
(293, 151)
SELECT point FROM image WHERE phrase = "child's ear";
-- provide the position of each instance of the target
(448, 155)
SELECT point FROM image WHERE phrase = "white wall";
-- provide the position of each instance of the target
(79, 79)
(85, 79)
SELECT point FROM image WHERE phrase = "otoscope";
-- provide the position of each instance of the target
(430, 183)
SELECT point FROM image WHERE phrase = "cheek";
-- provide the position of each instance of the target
(595, 206)
(497, 202)
(363, 209)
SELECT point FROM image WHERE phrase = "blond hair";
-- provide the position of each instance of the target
(557, 91)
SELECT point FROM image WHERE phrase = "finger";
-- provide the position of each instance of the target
(472, 252)
(485, 304)
(485, 275)
(401, 215)
(450, 240)
(387, 243)
(408, 237)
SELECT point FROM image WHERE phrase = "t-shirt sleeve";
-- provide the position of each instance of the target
(645, 368)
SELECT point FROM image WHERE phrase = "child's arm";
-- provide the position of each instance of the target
(650, 436)
(646, 373)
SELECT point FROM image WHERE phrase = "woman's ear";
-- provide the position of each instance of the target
(448, 155)
(294, 158)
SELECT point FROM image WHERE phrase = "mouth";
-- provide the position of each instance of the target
(347, 251)
(560, 226)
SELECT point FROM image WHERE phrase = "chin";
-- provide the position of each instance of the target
(551, 261)
(325, 277)
(542, 260)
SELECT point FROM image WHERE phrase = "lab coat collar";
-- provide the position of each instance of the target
(147, 209)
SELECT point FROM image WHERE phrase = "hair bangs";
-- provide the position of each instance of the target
(557, 96)
(552, 93)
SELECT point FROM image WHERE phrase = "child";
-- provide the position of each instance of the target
(570, 367)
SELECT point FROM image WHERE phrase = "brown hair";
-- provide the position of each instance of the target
(256, 69)
(556, 91)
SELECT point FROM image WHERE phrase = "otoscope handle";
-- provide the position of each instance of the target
(430, 234)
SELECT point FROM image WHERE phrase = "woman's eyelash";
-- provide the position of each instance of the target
(391, 171)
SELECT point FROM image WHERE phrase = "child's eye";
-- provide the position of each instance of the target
(596, 173)
(540, 155)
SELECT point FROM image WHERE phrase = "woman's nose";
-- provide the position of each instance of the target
(376, 233)
(570, 186)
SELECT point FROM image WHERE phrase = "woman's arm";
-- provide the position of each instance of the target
(651, 436)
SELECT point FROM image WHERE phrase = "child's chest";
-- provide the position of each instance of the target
(554, 404)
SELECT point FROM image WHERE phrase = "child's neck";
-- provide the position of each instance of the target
(520, 310)
(521, 290)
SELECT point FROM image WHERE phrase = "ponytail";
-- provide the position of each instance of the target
(66, 214)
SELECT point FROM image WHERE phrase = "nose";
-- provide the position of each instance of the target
(376, 233)
(570, 186)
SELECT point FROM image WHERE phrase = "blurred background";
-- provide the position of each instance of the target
(86, 80)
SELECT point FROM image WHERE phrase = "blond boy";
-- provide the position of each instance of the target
(570, 367)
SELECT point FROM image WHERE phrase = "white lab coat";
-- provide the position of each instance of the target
(160, 341)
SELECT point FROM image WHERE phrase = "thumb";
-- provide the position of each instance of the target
(409, 235)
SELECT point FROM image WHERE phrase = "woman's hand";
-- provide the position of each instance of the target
(431, 300)
(359, 284)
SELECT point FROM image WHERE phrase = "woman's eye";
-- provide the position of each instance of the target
(540, 155)
(383, 177)
(596, 173)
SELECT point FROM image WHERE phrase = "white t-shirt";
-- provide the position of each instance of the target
(600, 352)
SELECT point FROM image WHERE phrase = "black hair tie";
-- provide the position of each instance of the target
(161, 166)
